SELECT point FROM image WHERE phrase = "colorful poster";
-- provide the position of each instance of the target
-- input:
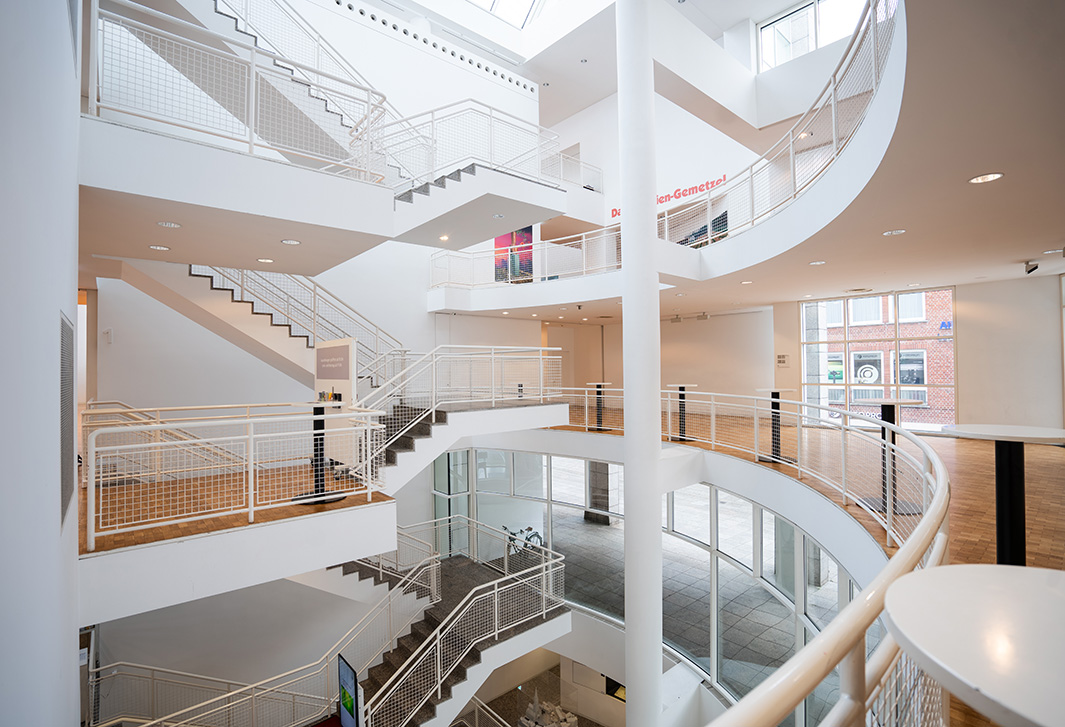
(513, 261)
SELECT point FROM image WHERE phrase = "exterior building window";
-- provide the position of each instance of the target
(893, 345)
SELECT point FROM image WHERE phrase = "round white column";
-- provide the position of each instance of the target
(642, 367)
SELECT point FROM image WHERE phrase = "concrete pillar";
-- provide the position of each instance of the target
(598, 492)
(642, 367)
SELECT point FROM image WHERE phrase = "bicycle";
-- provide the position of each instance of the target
(519, 540)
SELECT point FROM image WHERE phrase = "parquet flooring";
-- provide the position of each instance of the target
(971, 466)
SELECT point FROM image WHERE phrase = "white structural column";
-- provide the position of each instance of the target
(642, 368)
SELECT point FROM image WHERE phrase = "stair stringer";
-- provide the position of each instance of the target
(215, 310)
(493, 656)
(461, 425)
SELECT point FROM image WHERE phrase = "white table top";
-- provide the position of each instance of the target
(1007, 433)
(778, 390)
(994, 635)
(599, 383)
(888, 402)
(690, 386)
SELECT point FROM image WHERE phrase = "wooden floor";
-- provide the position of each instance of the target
(971, 466)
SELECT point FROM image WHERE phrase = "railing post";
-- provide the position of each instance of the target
(90, 495)
(791, 155)
(843, 461)
(756, 445)
(492, 366)
(713, 422)
(252, 98)
(835, 118)
(750, 191)
(250, 455)
(798, 444)
(872, 37)
(669, 418)
(852, 681)
(543, 585)
(495, 600)
(93, 50)
(542, 364)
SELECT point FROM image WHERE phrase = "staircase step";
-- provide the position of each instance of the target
(422, 189)
(471, 169)
(440, 182)
(455, 176)
(407, 196)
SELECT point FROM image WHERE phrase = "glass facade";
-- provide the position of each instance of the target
(742, 588)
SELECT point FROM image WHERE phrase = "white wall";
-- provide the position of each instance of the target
(689, 151)
(1009, 352)
(461, 330)
(522, 669)
(157, 357)
(416, 77)
(38, 283)
(729, 353)
(388, 284)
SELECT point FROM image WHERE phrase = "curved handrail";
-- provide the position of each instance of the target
(769, 183)
(841, 644)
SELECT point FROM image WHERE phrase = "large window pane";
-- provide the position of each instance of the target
(756, 632)
(567, 480)
(822, 585)
(530, 475)
(595, 565)
(686, 603)
(493, 471)
(735, 527)
(778, 553)
(513, 514)
(691, 512)
(937, 314)
(871, 317)
(836, 19)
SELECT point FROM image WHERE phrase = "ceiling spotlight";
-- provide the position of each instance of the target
(265, 259)
(563, 308)
(535, 314)
(806, 134)
(506, 313)
(675, 319)
(160, 248)
(1030, 267)
(914, 285)
(545, 84)
(892, 233)
(497, 216)
(443, 238)
(584, 60)
(680, 295)
(290, 242)
(169, 225)
(561, 317)
(984, 178)
(746, 282)
(817, 262)
(808, 295)
(584, 319)
(1052, 252)
(701, 317)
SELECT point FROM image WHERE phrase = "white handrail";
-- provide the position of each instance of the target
(746, 198)
(266, 78)
(421, 579)
(842, 643)
(244, 464)
(308, 307)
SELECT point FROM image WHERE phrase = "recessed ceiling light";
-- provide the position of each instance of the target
(497, 216)
(746, 282)
(161, 248)
(983, 178)
(1052, 252)
(563, 308)
(534, 315)
(808, 295)
(584, 319)
(545, 84)
(817, 262)
(892, 233)
(858, 290)
(914, 285)
(680, 295)
(265, 259)
(506, 313)
(561, 317)
(584, 60)
(806, 134)
(168, 225)
(443, 238)
(290, 242)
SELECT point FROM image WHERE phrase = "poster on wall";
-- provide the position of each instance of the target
(513, 261)
(333, 362)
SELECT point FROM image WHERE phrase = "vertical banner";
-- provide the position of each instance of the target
(351, 699)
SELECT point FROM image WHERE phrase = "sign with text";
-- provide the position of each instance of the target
(680, 193)
(333, 363)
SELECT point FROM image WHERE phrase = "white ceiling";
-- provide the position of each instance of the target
(984, 91)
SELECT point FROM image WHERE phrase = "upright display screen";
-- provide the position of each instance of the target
(350, 695)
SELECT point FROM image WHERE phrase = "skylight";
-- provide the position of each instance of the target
(515, 12)
(805, 28)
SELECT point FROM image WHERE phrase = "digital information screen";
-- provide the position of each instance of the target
(351, 698)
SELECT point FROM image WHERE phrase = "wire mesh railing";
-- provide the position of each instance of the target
(157, 68)
(712, 212)
(133, 693)
(448, 375)
(531, 586)
(565, 257)
(887, 471)
(144, 476)
(308, 309)
(434, 143)
(478, 714)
